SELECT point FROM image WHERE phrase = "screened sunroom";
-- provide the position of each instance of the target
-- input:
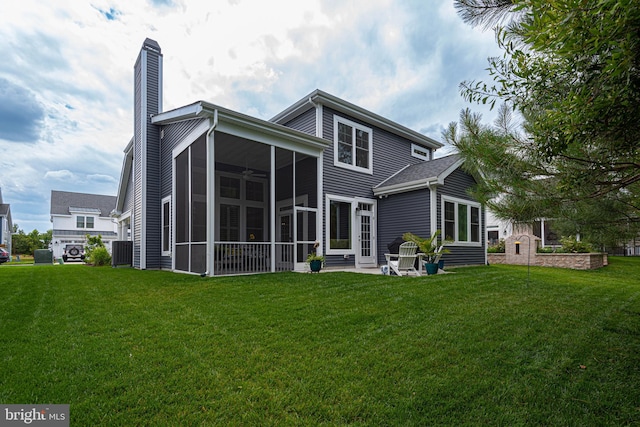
(244, 198)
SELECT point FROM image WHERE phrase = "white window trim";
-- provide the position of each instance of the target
(84, 222)
(328, 199)
(164, 201)
(416, 147)
(469, 204)
(336, 162)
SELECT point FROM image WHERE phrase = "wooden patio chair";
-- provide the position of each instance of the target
(403, 263)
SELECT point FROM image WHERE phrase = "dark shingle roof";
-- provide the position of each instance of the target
(421, 171)
(61, 201)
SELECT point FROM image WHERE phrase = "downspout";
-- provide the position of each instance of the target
(433, 205)
(319, 183)
(211, 201)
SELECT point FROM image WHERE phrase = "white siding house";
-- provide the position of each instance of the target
(76, 215)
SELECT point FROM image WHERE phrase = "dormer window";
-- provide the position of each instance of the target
(84, 221)
(352, 145)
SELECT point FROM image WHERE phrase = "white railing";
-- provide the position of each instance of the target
(251, 257)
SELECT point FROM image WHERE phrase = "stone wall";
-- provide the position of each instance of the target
(497, 258)
(521, 250)
(588, 261)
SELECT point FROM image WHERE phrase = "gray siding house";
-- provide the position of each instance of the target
(207, 190)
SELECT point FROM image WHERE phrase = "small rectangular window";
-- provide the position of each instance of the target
(80, 222)
(255, 224)
(89, 222)
(449, 221)
(345, 144)
(166, 241)
(229, 223)
(475, 224)
(463, 225)
(229, 187)
(254, 191)
(420, 152)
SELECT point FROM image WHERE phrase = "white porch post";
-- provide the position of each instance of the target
(211, 202)
(211, 193)
(272, 207)
(320, 201)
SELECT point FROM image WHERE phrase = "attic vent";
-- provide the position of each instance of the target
(84, 210)
(419, 152)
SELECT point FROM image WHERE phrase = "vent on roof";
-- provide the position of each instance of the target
(84, 210)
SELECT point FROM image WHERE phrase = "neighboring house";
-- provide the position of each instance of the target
(632, 247)
(208, 190)
(498, 229)
(6, 226)
(74, 215)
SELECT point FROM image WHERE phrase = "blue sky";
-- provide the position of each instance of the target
(66, 78)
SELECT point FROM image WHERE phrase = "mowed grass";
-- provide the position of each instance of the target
(477, 347)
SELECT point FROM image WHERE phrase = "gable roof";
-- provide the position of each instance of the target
(419, 176)
(335, 103)
(231, 121)
(66, 202)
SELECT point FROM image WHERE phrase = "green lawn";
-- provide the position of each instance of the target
(478, 347)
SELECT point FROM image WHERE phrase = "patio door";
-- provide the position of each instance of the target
(366, 227)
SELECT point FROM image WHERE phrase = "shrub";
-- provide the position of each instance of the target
(571, 245)
(498, 248)
(549, 250)
(99, 256)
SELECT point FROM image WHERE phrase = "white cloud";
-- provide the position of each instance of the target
(74, 63)
(61, 175)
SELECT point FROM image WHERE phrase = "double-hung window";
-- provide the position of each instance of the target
(84, 221)
(352, 145)
(461, 221)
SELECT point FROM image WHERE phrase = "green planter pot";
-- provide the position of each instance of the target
(315, 265)
(431, 268)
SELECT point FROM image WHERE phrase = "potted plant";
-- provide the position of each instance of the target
(429, 249)
(315, 260)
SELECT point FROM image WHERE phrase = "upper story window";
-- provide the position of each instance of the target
(352, 145)
(461, 221)
(420, 152)
(84, 222)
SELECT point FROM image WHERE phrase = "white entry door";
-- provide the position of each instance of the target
(366, 223)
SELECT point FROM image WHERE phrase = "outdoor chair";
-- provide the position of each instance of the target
(403, 263)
